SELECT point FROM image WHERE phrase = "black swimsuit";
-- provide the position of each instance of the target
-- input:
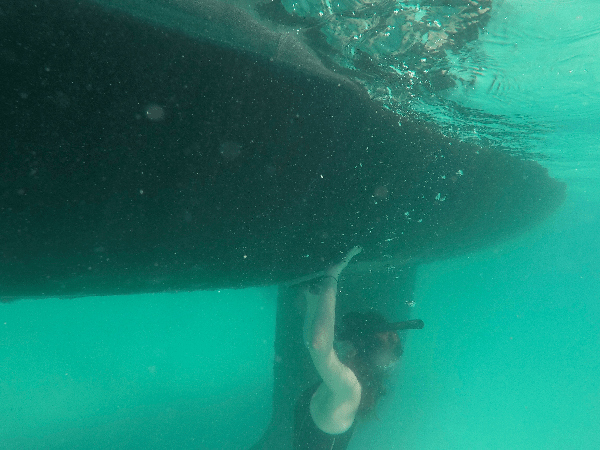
(307, 436)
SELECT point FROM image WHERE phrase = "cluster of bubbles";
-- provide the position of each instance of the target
(408, 54)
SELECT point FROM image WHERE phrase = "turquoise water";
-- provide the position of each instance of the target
(508, 358)
(146, 371)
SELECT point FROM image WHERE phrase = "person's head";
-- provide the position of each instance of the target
(371, 338)
(370, 345)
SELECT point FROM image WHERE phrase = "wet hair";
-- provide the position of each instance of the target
(361, 330)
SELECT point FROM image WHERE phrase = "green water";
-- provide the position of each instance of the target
(508, 359)
(147, 371)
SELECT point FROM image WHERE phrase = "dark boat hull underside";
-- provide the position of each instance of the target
(136, 159)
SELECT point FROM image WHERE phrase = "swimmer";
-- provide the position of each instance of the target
(352, 365)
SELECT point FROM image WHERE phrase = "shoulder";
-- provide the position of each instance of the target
(333, 411)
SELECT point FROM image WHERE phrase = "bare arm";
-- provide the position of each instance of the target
(319, 329)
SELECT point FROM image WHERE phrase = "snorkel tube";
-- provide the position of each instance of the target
(361, 324)
(415, 324)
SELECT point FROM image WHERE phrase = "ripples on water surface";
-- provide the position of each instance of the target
(530, 82)
(541, 68)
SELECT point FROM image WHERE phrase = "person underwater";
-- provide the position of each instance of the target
(352, 365)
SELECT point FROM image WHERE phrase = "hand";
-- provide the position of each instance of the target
(336, 269)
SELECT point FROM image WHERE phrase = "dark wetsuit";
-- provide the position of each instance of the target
(306, 434)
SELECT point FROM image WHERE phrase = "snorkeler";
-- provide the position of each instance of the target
(352, 367)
